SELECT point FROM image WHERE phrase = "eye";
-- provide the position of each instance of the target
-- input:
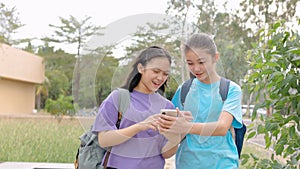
(190, 63)
(156, 70)
(166, 73)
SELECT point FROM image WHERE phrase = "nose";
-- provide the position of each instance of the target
(197, 68)
(161, 76)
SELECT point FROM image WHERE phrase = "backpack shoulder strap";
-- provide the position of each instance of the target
(224, 88)
(185, 89)
(124, 100)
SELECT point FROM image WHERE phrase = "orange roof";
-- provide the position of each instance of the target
(20, 65)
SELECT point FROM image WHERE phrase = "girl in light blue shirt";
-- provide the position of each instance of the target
(208, 143)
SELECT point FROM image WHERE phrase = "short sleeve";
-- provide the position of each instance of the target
(176, 100)
(233, 104)
(107, 115)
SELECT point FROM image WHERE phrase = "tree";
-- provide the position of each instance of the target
(275, 74)
(222, 25)
(61, 106)
(180, 10)
(59, 67)
(257, 14)
(42, 91)
(9, 23)
(74, 31)
(104, 75)
(98, 69)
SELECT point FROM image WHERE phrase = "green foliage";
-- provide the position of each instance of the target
(59, 67)
(275, 77)
(105, 75)
(59, 84)
(9, 23)
(73, 30)
(230, 38)
(265, 12)
(61, 106)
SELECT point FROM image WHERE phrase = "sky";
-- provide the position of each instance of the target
(38, 14)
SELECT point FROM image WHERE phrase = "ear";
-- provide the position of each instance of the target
(216, 58)
(140, 68)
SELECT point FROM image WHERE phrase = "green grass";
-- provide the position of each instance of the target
(47, 140)
(39, 139)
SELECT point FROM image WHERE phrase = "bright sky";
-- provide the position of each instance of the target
(37, 14)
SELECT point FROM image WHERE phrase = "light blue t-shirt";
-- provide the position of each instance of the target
(206, 105)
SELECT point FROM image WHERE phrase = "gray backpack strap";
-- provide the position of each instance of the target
(224, 87)
(185, 89)
(124, 99)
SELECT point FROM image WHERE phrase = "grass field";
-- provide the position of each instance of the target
(39, 140)
(48, 140)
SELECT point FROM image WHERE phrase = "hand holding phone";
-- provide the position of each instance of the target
(169, 112)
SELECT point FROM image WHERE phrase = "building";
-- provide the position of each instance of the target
(20, 72)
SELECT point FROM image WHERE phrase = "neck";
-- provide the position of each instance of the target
(214, 77)
(142, 89)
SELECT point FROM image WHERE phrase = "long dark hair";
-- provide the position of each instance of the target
(143, 58)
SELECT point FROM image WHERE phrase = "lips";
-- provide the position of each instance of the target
(198, 74)
(156, 84)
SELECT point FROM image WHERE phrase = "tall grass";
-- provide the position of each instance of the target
(48, 140)
(39, 140)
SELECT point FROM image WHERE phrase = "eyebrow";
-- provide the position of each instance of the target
(160, 69)
(200, 59)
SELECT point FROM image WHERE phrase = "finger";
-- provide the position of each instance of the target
(163, 124)
(153, 125)
(178, 112)
(168, 118)
(188, 115)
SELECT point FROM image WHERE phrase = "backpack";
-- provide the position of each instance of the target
(90, 154)
(237, 133)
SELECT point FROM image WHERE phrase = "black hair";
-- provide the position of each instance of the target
(143, 58)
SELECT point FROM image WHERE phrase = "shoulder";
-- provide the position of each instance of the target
(235, 90)
(234, 87)
(113, 97)
(168, 104)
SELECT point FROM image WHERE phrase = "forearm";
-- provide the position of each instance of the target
(115, 137)
(169, 149)
(218, 128)
(209, 129)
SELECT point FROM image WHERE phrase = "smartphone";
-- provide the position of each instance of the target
(169, 112)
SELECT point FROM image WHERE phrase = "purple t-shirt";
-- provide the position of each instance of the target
(144, 149)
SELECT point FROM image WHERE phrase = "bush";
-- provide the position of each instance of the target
(275, 62)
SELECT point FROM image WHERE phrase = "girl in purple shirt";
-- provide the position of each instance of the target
(137, 144)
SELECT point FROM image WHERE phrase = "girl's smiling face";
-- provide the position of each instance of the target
(201, 64)
(154, 74)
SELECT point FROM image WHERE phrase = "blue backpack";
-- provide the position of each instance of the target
(239, 133)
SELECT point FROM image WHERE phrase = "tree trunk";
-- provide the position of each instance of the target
(76, 81)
